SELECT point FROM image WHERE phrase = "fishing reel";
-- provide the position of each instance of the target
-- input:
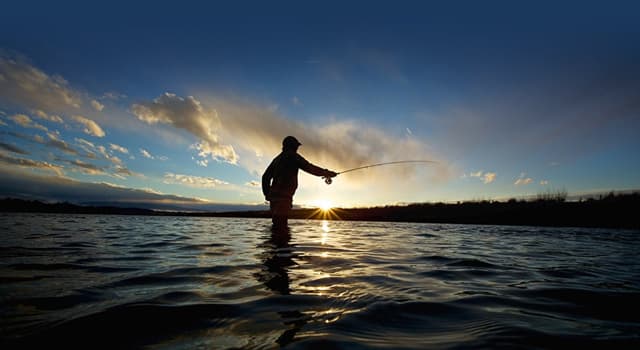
(327, 180)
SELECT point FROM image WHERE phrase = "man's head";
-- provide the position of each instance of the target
(290, 143)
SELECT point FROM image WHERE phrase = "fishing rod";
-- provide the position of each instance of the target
(328, 180)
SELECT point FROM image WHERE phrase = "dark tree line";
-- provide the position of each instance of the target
(612, 210)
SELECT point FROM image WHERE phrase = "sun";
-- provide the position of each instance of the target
(323, 209)
(324, 205)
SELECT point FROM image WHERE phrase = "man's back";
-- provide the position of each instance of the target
(284, 172)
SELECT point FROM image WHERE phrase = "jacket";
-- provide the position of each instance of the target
(283, 170)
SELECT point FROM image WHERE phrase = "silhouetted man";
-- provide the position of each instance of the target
(283, 170)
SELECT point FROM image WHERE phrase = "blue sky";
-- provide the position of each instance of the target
(186, 103)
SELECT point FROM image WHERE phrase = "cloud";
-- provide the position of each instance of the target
(193, 181)
(28, 163)
(21, 120)
(86, 168)
(488, 177)
(85, 143)
(25, 85)
(523, 180)
(91, 127)
(112, 95)
(18, 184)
(55, 142)
(12, 148)
(104, 152)
(188, 114)
(122, 172)
(88, 147)
(146, 154)
(337, 143)
(115, 160)
(296, 101)
(544, 182)
(118, 148)
(97, 105)
(27, 122)
(224, 152)
(253, 184)
(43, 115)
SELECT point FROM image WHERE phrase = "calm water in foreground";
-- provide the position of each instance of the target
(177, 282)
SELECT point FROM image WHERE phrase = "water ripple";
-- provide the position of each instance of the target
(177, 282)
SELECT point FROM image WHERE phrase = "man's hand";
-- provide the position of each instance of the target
(330, 173)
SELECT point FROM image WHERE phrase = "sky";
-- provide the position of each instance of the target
(184, 105)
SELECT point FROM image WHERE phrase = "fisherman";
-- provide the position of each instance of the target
(280, 180)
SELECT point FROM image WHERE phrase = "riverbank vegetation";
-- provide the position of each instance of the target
(546, 209)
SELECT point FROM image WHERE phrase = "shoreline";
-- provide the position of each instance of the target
(612, 211)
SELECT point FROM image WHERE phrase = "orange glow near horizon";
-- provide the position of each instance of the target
(324, 205)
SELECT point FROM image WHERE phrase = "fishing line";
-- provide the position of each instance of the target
(328, 180)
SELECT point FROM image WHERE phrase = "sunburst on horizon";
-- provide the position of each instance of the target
(324, 210)
(324, 204)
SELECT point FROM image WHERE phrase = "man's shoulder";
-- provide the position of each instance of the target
(300, 159)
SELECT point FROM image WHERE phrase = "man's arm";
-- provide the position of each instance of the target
(266, 181)
(314, 169)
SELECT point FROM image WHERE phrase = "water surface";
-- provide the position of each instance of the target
(181, 282)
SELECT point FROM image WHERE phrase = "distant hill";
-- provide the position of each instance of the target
(612, 210)
(31, 206)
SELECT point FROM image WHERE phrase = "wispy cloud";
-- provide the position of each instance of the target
(523, 180)
(86, 168)
(122, 172)
(260, 130)
(544, 182)
(486, 178)
(26, 122)
(97, 105)
(25, 85)
(88, 147)
(118, 148)
(29, 163)
(12, 148)
(253, 184)
(90, 127)
(146, 153)
(108, 156)
(85, 143)
(193, 181)
(112, 95)
(16, 183)
(188, 114)
(56, 142)
(43, 115)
